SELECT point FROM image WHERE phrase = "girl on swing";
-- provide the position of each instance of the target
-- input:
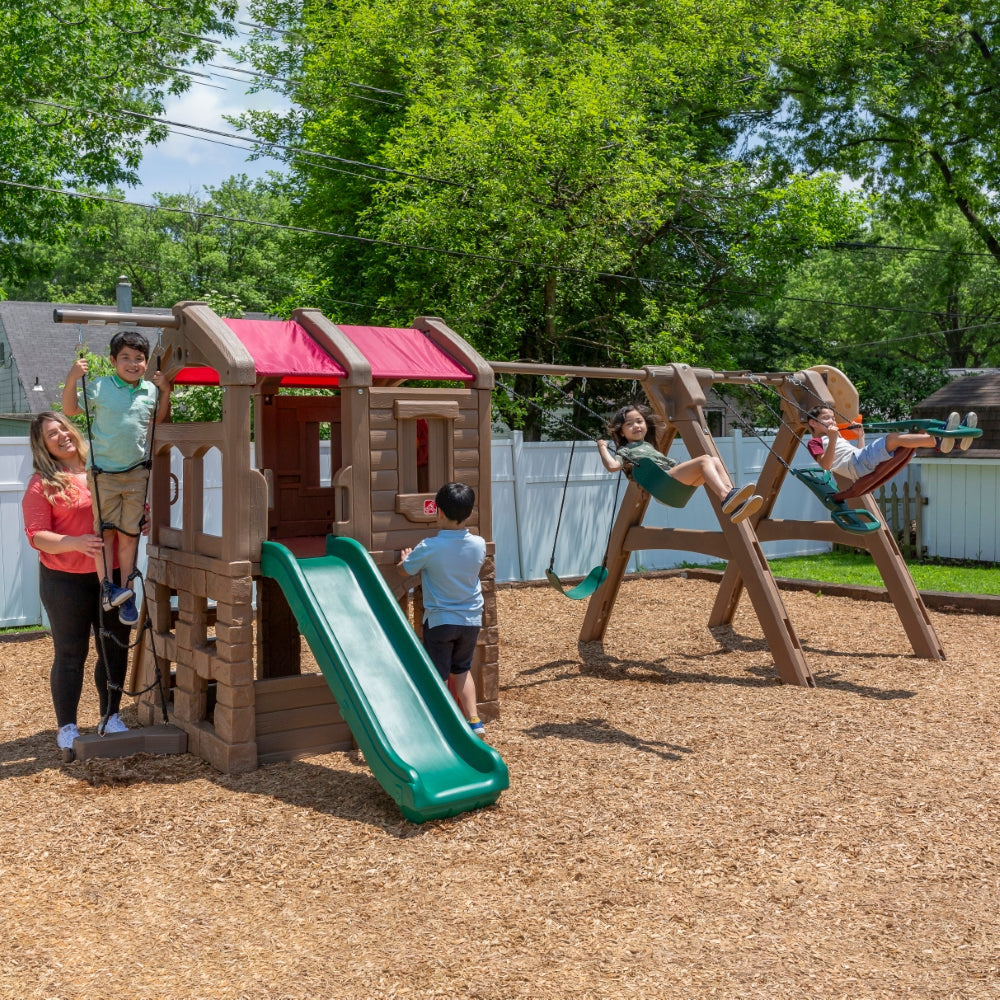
(633, 430)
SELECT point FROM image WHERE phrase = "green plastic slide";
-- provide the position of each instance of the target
(414, 738)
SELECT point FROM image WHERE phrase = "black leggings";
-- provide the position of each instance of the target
(73, 604)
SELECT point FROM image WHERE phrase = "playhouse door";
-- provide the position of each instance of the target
(303, 450)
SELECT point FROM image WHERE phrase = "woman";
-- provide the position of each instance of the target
(59, 523)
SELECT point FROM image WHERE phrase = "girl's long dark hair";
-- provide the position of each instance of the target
(618, 421)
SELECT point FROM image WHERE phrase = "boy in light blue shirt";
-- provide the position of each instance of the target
(449, 565)
(122, 408)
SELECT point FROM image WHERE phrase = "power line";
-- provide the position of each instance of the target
(840, 245)
(850, 245)
(459, 254)
(921, 336)
(258, 142)
(174, 125)
(372, 241)
(369, 240)
(176, 129)
(293, 83)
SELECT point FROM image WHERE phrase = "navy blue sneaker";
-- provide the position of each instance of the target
(113, 597)
(128, 614)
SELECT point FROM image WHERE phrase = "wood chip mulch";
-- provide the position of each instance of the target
(679, 825)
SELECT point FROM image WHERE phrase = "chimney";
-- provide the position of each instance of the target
(123, 294)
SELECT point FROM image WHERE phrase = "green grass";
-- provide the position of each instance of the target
(17, 629)
(858, 568)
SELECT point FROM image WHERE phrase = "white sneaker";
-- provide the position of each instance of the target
(947, 444)
(115, 725)
(969, 420)
(66, 735)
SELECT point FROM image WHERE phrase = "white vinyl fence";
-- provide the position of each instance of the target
(528, 486)
(528, 479)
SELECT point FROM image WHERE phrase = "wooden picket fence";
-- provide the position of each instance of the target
(903, 512)
(902, 508)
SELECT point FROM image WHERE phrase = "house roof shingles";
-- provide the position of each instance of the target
(979, 393)
(45, 349)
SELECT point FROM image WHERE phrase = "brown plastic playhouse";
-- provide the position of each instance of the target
(234, 675)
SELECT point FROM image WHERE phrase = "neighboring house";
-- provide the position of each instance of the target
(980, 393)
(36, 353)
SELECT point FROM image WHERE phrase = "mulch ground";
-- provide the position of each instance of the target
(679, 825)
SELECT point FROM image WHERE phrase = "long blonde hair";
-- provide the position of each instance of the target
(56, 481)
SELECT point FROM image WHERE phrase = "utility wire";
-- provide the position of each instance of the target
(920, 336)
(451, 253)
(459, 254)
(852, 245)
(257, 142)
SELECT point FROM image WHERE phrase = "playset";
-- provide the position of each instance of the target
(308, 551)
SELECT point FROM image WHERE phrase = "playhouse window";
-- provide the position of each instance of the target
(425, 450)
(423, 454)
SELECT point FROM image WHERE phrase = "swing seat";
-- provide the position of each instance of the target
(660, 484)
(882, 473)
(584, 588)
(822, 483)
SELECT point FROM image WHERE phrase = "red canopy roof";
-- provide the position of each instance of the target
(282, 348)
(396, 352)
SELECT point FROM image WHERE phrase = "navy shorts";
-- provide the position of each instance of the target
(451, 647)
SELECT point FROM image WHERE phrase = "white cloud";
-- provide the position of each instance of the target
(187, 161)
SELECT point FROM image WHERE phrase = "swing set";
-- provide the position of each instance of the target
(677, 395)
(651, 477)
(822, 482)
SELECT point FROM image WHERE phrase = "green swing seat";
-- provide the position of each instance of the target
(660, 484)
(585, 588)
(822, 483)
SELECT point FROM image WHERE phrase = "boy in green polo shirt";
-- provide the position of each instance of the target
(121, 408)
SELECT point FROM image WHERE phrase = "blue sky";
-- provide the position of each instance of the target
(185, 163)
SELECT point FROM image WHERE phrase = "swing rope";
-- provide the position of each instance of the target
(651, 477)
(611, 524)
(597, 575)
(808, 389)
(886, 470)
(512, 393)
(104, 633)
(865, 484)
(562, 505)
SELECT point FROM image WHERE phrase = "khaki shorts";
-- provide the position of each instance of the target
(123, 499)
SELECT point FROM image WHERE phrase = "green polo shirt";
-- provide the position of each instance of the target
(120, 419)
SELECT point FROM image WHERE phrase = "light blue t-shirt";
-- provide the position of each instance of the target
(449, 565)
(120, 419)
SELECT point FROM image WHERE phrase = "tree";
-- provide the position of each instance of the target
(190, 249)
(892, 311)
(903, 98)
(557, 179)
(81, 78)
